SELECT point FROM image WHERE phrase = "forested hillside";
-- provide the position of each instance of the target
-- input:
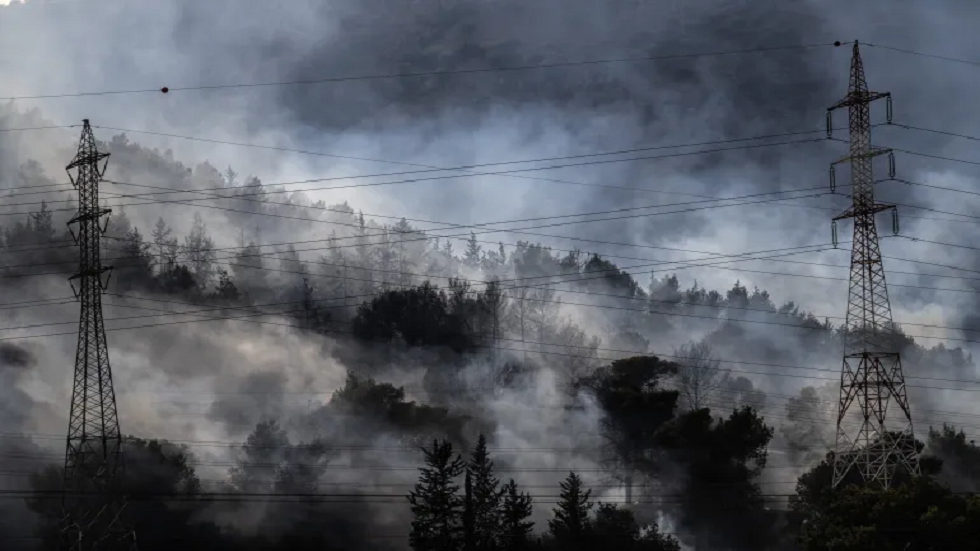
(485, 395)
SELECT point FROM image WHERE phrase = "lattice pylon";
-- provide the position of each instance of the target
(92, 501)
(871, 374)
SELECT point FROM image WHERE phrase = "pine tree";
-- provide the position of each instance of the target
(313, 317)
(292, 267)
(487, 498)
(333, 266)
(248, 269)
(404, 234)
(654, 540)
(469, 515)
(473, 252)
(135, 263)
(615, 528)
(199, 251)
(41, 224)
(119, 224)
(435, 504)
(386, 257)
(515, 529)
(262, 453)
(230, 177)
(165, 245)
(363, 281)
(493, 306)
(571, 525)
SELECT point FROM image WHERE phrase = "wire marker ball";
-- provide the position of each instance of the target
(164, 89)
(837, 43)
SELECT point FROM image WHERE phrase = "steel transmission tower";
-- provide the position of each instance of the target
(871, 376)
(93, 459)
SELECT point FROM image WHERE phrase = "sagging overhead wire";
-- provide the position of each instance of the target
(351, 78)
(242, 196)
(524, 342)
(552, 280)
(922, 54)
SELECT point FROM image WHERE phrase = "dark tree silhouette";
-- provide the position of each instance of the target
(721, 459)
(571, 527)
(381, 408)
(617, 528)
(960, 458)
(922, 514)
(516, 528)
(487, 498)
(437, 509)
(419, 316)
(635, 408)
(134, 262)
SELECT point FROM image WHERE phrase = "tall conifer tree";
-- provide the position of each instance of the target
(571, 526)
(487, 498)
(435, 504)
(515, 529)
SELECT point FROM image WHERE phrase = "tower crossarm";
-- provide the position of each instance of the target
(869, 154)
(873, 209)
(85, 216)
(859, 98)
(86, 158)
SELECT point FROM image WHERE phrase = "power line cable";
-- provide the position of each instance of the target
(755, 399)
(513, 230)
(514, 173)
(440, 168)
(591, 293)
(622, 269)
(243, 196)
(933, 131)
(210, 196)
(469, 167)
(507, 230)
(736, 257)
(32, 128)
(605, 274)
(453, 176)
(933, 186)
(259, 213)
(966, 340)
(336, 79)
(368, 295)
(942, 289)
(765, 395)
(921, 54)
(927, 155)
(544, 352)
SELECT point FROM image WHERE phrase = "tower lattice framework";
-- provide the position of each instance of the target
(871, 375)
(92, 501)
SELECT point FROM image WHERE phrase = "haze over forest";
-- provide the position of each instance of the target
(532, 257)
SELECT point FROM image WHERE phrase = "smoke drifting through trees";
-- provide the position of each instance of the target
(467, 340)
(473, 338)
(538, 377)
